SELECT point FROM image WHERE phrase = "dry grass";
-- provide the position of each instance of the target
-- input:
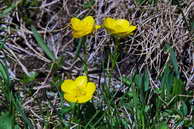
(157, 25)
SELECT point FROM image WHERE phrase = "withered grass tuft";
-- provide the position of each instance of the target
(144, 82)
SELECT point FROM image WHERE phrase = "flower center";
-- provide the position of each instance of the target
(80, 92)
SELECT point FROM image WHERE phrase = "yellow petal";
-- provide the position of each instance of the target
(83, 99)
(109, 23)
(88, 25)
(132, 28)
(82, 27)
(78, 34)
(121, 26)
(81, 81)
(90, 88)
(123, 22)
(129, 31)
(89, 20)
(68, 86)
(97, 27)
(70, 97)
(75, 24)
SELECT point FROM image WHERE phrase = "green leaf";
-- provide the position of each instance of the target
(2, 43)
(42, 44)
(126, 80)
(146, 81)
(29, 78)
(140, 1)
(163, 126)
(167, 81)
(152, 2)
(8, 10)
(78, 43)
(146, 108)
(192, 25)
(174, 61)
(88, 4)
(6, 121)
(178, 86)
(138, 80)
(183, 109)
(89, 113)
(140, 88)
(4, 73)
(66, 109)
(21, 111)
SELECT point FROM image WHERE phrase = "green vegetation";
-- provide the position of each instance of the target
(143, 81)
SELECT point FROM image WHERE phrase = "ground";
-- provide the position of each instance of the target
(149, 85)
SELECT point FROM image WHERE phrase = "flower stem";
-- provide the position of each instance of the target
(85, 58)
(115, 55)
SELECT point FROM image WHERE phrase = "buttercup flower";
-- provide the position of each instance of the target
(119, 27)
(78, 90)
(83, 27)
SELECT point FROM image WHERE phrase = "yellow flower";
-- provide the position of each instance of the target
(119, 27)
(78, 90)
(83, 27)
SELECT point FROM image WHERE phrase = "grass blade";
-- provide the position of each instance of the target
(42, 44)
(6, 121)
(146, 81)
(4, 73)
(174, 61)
(19, 108)
(7, 10)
